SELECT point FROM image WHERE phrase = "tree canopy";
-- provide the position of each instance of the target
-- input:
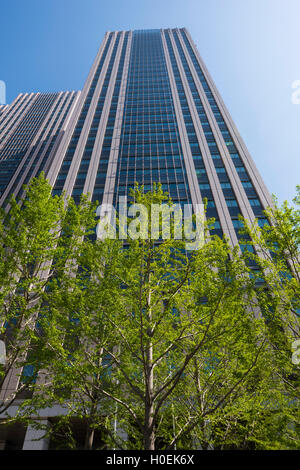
(149, 344)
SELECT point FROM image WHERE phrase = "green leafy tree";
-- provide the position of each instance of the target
(148, 344)
(277, 255)
(138, 330)
(39, 237)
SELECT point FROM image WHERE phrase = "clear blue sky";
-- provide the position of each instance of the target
(251, 48)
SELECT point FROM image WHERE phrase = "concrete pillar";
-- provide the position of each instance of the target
(34, 439)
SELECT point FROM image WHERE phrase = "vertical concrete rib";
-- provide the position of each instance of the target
(36, 439)
(245, 207)
(110, 180)
(214, 182)
(3, 109)
(250, 166)
(63, 128)
(55, 167)
(93, 167)
(186, 150)
(72, 174)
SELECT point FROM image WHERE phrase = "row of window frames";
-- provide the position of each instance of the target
(238, 224)
(177, 156)
(152, 152)
(147, 121)
(139, 151)
(173, 174)
(150, 100)
(135, 91)
(146, 101)
(146, 148)
(157, 77)
(141, 116)
(220, 169)
(150, 162)
(171, 187)
(159, 135)
(130, 123)
(148, 168)
(246, 184)
(223, 177)
(181, 194)
(146, 174)
(149, 179)
(254, 202)
(148, 182)
(165, 187)
(152, 89)
(165, 105)
(147, 137)
(155, 158)
(150, 71)
(140, 127)
(169, 157)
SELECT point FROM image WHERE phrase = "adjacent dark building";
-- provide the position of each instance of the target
(30, 131)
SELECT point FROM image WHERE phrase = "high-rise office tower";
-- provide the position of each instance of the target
(30, 131)
(149, 111)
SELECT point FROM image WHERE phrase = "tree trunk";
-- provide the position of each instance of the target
(89, 438)
(149, 433)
